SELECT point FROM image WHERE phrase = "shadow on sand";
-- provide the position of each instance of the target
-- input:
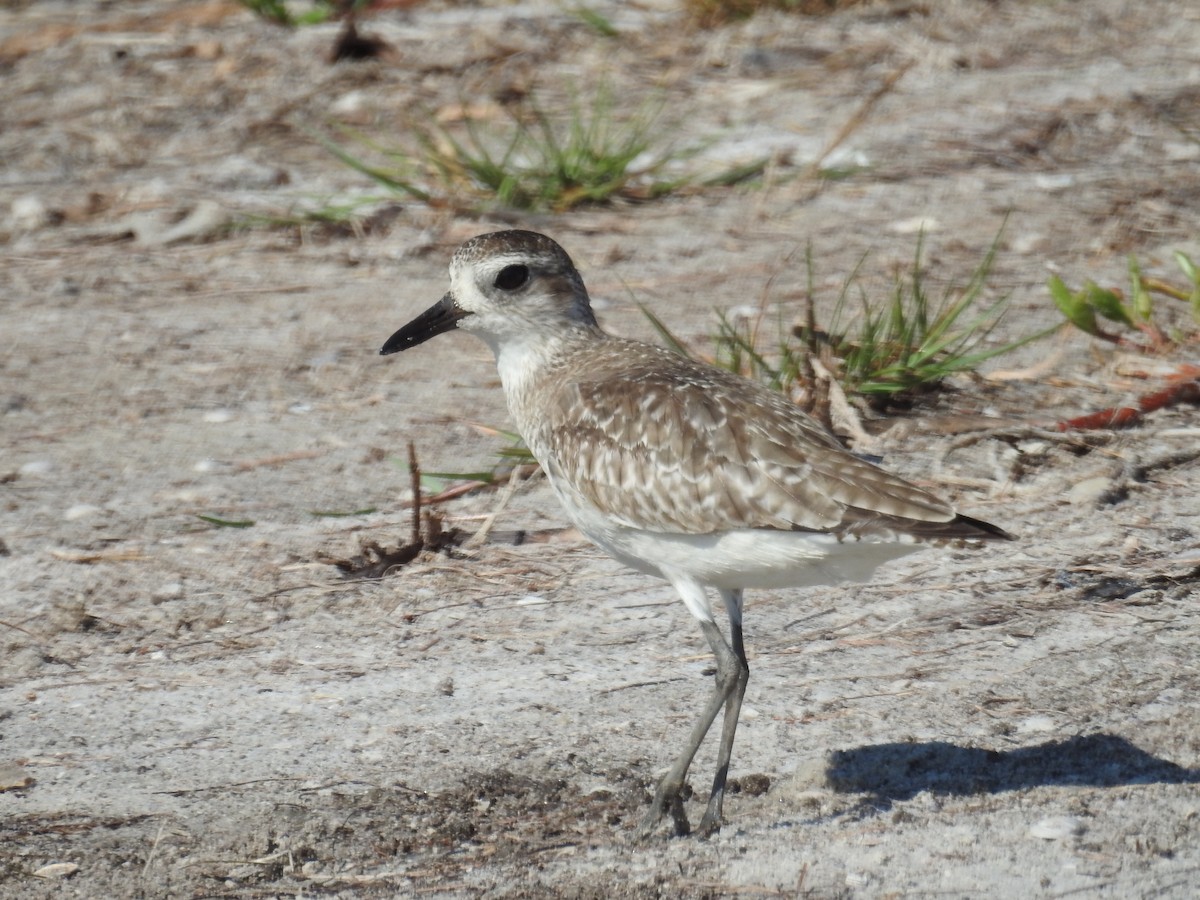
(894, 772)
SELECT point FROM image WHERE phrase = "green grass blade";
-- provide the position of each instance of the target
(381, 177)
(672, 342)
(226, 523)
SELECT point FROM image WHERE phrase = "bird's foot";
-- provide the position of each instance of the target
(711, 823)
(668, 799)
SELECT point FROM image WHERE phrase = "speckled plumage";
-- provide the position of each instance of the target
(663, 443)
(675, 467)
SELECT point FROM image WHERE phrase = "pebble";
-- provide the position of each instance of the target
(845, 158)
(29, 213)
(1057, 828)
(1028, 242)
(1053, 182)
(218, 416)
(244, 174)
(916, 225)
(1181, 151)
(170, 591)
(964, 834)
(1036, 724)
(348, 104)
(81, 511)
(1160, 712)
(56, 870)
(14, 777)
(1034, 448)
(37, 467)
(321, 360)
(204, 219)
(1089, 491)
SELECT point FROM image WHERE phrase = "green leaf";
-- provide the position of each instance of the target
(226, 523)
(439, 478)
(1072, 306)
(313, 17)
(340, 514)
(1189, 269)
(1143, 305)
(521, 454)
(271, 10)
(1107, 303)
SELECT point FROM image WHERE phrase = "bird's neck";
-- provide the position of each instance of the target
(525, 363)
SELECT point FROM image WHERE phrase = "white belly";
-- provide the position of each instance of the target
(740, 558)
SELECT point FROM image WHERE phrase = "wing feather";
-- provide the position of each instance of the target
(667, 444)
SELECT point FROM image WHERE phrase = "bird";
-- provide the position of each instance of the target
(677, 468)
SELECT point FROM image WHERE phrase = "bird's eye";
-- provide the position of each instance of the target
(512, 277)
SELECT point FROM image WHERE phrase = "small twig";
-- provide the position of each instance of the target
(510, 488)
(1165, 461)
(153, 849)
(1184, 389)
(376, 561)
(181, 792)
(19, 628)
(1136, 471)
(277, 459)
(459, 490)
(1040, 369)
(841, 413)
(414, 472)
(114, 555)
(860, 115)
(812, 615)
(1026, 432)
(453, 493)
(638, 684)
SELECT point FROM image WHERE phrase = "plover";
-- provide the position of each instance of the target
(677, 468)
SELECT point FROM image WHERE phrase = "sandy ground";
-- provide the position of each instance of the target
(190, 710)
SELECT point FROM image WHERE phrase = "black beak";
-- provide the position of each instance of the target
(441, 317)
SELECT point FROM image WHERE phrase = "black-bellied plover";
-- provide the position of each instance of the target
(677, 468)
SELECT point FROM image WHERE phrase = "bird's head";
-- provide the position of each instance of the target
(504, 286)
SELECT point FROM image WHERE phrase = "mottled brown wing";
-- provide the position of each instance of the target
(671, 445)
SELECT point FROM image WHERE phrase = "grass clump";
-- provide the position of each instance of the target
(913, 342)
(533, 161)
(1138, 312)
(887, 352)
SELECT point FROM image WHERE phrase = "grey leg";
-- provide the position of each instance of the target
(733, 708)
(732, 675)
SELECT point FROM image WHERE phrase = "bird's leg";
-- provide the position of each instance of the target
(731, 677)
(733, 707)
